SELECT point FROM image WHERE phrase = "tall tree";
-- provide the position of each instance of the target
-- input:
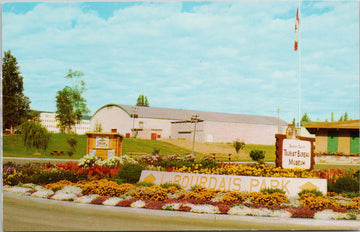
(305, 118)
(142, 101)
(16, 105)
(70, 103)
(64, 114)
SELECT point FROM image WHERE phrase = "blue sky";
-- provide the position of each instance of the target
(232, 57)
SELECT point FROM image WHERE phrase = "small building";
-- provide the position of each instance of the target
(335, 137)
(164, 123)
(104, 145)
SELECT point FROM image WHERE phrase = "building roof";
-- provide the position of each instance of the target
(179, 114)
(350, 124)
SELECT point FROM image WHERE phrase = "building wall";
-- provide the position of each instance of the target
(185, 130)
(344, 142)
(321, 141)
(49, 121)
(112, 117)
(161, 127)
(248, 133)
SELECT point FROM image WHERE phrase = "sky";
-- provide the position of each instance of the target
(218, 56)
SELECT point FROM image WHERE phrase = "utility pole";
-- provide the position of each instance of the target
(195, 119)
(134, 115)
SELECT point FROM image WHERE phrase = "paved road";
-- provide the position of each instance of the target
(21, 213)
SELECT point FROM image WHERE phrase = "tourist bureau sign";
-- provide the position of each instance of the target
(296, 153)
(292, 186)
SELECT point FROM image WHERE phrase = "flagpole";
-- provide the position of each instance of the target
(299, 81)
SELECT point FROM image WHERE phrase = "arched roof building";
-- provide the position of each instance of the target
(157, 123)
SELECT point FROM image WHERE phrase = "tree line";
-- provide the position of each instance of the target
(306, 119)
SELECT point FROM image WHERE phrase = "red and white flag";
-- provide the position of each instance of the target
(297, 22)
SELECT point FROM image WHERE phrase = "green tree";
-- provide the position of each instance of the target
(332, 116)
(346, 117)
(142, 101)
(16, 105)
(238, 145)
(70, 103)
(34, 116)
(305, 118)
(98, 127)
(34, 135)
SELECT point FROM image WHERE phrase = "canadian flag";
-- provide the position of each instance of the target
(297, 22)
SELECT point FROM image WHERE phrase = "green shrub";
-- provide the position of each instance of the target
(72, 143)
(347, 184)
(194, 188)
(351, 215)
(257, 155)
(144, 184)
(351, 194)
(47, 177)
(130, 172)
(314, 191)
(356, 174)
(272, 190)
(118, 181)
(155, 151)
(209, 163)
(168, 185)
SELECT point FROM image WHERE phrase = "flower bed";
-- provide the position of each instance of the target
(197, 200)
(93, 181)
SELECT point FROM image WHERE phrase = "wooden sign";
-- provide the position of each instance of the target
(295, 152)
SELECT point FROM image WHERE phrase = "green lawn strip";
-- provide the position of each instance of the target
(13, 147)
(337, 166)
(244, 155)
(147, 147)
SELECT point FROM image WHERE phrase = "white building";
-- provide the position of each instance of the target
(48, 120)
(157, 123)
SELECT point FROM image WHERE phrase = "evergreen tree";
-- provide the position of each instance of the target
(305, 118)
(142, 101)
(16, 105)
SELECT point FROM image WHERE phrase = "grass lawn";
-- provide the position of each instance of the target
(13, 147)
